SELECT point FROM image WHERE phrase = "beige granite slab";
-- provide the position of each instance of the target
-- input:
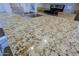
(41, 36)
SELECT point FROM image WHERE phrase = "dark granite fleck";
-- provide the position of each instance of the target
(77, 51)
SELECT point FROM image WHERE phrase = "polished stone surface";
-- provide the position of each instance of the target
(46, 35)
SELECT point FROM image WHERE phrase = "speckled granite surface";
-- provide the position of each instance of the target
(45, 35)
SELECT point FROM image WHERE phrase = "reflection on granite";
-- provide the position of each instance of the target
(46, 35)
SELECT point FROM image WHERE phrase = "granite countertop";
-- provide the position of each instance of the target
(45, 35)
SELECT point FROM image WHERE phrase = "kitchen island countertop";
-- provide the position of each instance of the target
(44, 35)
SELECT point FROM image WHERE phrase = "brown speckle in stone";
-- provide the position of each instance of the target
(27, 54)
(58, 54)
(54, 50)
(33, 36)
(67, 55)
(43, 51)
(17, 48)
(16, 54)
(27, 39)
(77, 51)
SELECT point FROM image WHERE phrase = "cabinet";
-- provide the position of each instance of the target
(69, 8)
(5, 7)
(2, 9)
(3, 44)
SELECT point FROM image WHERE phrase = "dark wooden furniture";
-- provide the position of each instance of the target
(54, 9)
(77, 17)
(1, 32)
